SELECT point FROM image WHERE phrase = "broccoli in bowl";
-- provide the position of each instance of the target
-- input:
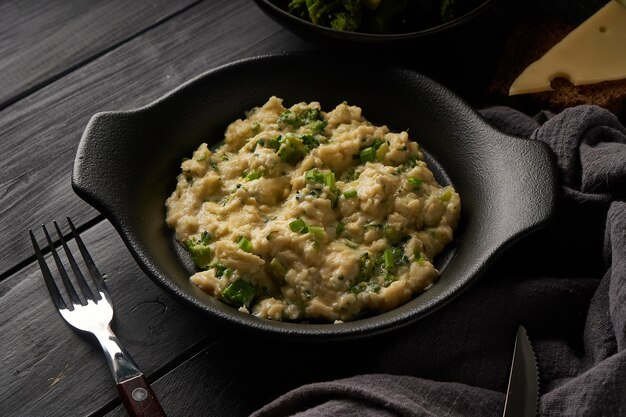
(380, 16)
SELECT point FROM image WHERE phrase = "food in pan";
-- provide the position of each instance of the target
(306, 215)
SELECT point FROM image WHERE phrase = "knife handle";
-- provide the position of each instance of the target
(138, 398)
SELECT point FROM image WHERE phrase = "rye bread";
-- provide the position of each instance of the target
(529, 41)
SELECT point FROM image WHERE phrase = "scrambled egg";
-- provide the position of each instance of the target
(302, 214)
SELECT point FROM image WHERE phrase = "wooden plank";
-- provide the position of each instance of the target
(236, 375)
(42, 40)
(39, 134)
(48, 367)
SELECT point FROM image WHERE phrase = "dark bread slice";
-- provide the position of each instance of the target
(529, 41)
(608, 94)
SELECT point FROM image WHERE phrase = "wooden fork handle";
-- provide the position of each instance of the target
(138, 398)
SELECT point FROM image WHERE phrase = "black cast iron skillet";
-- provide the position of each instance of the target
(127, 162)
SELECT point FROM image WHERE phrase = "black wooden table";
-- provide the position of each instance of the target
(61, 62)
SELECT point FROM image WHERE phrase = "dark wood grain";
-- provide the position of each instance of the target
(46, 365)
(236, 375)
(40, 133)
(42, 40)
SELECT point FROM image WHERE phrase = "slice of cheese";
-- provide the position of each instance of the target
(593, 52)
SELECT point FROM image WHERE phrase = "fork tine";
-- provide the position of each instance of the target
(47, 275)
(80, 278)
(91, 266)
(74, 298)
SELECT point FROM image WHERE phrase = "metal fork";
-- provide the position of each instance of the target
(93, 314)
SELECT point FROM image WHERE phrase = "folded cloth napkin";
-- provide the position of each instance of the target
(565, 283)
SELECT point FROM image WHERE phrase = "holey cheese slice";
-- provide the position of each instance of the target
(593, 52)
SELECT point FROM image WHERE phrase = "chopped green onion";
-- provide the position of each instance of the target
(253, 175)
(367, 155)
(317, 231)
(245, 245)
(446, 193)
(419, 256)
(394, 257)
(326, 178)
(377, 143)
(278, 269)
(388, 259)
(382, 151)
(329, 179)
(349, 194)
(339, 228)
(299, 226)
(415, 182)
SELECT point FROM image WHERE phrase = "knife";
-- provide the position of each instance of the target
(523, 391)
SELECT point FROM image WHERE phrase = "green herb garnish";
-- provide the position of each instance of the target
(367, 155)
(253, 175)
(317, 231)
(298, 226)
(415, 182)
(244, 244)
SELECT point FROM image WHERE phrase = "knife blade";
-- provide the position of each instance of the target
(523, 390)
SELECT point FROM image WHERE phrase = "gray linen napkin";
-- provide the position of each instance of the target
(566, 284)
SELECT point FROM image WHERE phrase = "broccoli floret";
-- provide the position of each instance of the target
(199, 249)
(298, 8)
(240, 293)
(319, 9)
(344, 21)
(292, 150)
(338, 14)
(449, 10)
(305, 117)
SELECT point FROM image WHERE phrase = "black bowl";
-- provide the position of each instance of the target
(127, 163)
(277, 10)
